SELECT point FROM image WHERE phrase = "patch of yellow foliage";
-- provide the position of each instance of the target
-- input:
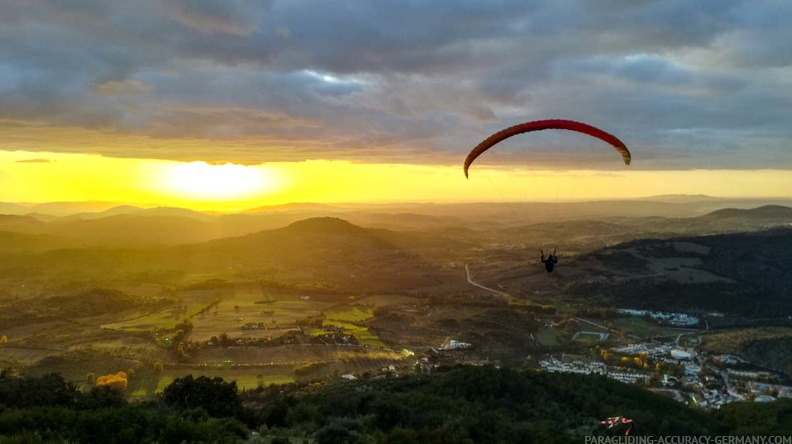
(118, 381)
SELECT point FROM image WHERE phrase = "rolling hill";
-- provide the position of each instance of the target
(323, 252)
(739, 273)
(11, 241)
(325, 249)
(582, 235)
(589, 225)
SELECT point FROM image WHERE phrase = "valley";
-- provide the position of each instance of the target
(365, 293)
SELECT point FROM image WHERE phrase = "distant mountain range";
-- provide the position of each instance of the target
(59, 208)
(74, 208)
(589, 224)
(677, 198)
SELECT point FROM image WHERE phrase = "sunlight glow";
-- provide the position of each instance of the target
(200, 179)
(51, 177)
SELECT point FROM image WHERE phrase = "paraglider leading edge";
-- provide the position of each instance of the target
(539, 125)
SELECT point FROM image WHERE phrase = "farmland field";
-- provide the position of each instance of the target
(641, 327)
(348, 317)
(251, 367)
(25, 355)
(163, 319)
(589, 336)
(246, 378)
(382, 300)
(548, 336)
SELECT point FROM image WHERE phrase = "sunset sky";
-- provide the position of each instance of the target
(231, 104)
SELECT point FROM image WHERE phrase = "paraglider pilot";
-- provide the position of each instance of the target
(551, 260)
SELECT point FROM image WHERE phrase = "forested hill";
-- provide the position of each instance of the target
(483, 405)
(461, 404)
(746, 274)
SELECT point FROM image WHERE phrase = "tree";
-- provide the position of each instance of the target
(31, 391)
(90, 378)
(158, 367)
(345, 430)
(217, 397)
(103, 396)
(3, 339)
(117, 381)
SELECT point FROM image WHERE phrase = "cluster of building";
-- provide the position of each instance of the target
(705, 381)
(574, 365)
(677, 319)
(584, 366)
(453, 344)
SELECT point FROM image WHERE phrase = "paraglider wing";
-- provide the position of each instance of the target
(616, 420)
(539, 125)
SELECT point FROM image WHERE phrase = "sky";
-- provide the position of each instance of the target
(235, 103)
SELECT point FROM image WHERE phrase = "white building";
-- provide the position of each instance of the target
(681, 354)
(454, 345)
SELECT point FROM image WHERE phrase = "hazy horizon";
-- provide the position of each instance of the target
(207, 206)
(229, 187)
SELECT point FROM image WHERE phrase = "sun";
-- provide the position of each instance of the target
(206, 181)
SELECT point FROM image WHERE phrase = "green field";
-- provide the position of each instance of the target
(238, 306)
(163, 319)
(638, 326)
(273, 314)
(252, 367)
(383, 300)
(733, 341)
(587, 336)
(278, 312)
(347, 316)
(246, 378)
(348, 313)
(548, 336)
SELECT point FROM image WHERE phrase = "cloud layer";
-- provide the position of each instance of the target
(704, 84)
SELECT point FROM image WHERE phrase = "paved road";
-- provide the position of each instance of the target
(597, 325)
(471, 282)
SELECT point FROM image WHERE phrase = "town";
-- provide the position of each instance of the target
(677, 367)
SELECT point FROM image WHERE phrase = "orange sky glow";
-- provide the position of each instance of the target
(47, 177)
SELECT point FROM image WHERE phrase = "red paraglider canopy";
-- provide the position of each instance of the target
(539, 125)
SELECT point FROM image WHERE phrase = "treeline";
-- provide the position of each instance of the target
(42, 409)
(460, 404)
(775, 353)
(488, 405)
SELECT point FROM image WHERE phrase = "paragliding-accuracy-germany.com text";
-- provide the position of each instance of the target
(723, 439)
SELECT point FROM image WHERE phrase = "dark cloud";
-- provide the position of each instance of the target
(217, 16)
(690, 84)
(35, 161)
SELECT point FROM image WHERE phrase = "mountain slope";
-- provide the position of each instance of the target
(11, 241)
(324, 249)
(12, 208)
(313, 253)
(131, 230)
(740, 273)
(766, 212)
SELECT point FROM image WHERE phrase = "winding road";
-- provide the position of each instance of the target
(471, 282)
